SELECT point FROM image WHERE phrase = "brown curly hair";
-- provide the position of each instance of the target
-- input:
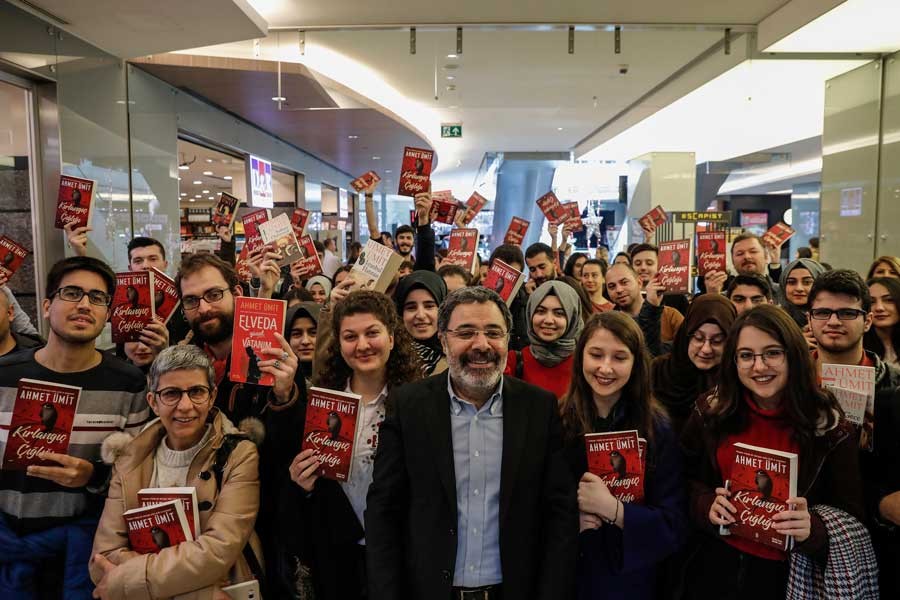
(403, 366)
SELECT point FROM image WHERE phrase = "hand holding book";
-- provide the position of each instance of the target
(74, 473)
(721, 510)
(77, 238)
(283, 366)
(595, 498)
(305, 469)
(794, 522)
(423, 206)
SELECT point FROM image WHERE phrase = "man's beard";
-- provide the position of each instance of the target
(480, 379)
(219, 334)
(405, 250)
(838, 346)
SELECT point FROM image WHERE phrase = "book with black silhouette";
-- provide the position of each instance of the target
(132, 305)
(415, 171)
(651, 221)
(515, 233)
(330, 430)
(761, 481)
(504, 280)
(165, 297)
(155, 528)
(710, 252)
(12, 254)
(857, 379)
(552, 209)
(473, 206)
(225, 210)
(615, 457)
(675, 260)
(187, 495)
(256, 321)
(74, 202)
(42, 420)
(251, 220)
(462, 249)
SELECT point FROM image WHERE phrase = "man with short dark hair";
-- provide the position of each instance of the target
(749, 257)
(839, 315)
(144, 253)
(455, 277)
(470, 498)
(49, 513)
(747, 291)
(541, 266)
(406, 241)
(624, 288)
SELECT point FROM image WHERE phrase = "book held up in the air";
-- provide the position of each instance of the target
(376, 266)
(443, 210)
(330, 430)
(615, 457)
(165, 296)
(552, 208)
(132, 305)
(308, 265)
(157, 527)
(415, 171)
(278, 235)
(473, 206)
(462, 249)
(225, 210)
(651, 221)
(12, 254)
(515, 233)
(299, 218)
(710, 252)
(365, 181)
(674, 270)
(256, 321)
(778, 234)
(187, 495)
(74, 202)
(42, 419)
(761, 481)
(504, 280)
(251, 221)
(573, 217)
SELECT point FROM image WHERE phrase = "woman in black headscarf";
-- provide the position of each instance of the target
(418, 297)
(691, 368)
(300, 329)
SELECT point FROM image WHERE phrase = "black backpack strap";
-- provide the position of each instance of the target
(520, 364)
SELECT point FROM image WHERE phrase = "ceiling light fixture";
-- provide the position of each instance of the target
(352, 137)
(559, 128)
(183, 167)
(207, 173)
(376, 158)
(183, 194)
(452, 56)
(279, 99)
(198, 182)
(451, 77)
(191, 200)
(227, 178)
(209, 160)
(204, 191)
(388, 171)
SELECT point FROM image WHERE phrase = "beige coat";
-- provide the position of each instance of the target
(190, 570)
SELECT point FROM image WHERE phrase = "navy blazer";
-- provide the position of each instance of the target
(411, 516)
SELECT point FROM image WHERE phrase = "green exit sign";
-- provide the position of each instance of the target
(451, 130)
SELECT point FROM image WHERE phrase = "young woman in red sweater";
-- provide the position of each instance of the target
(767, 396)
(554, 324)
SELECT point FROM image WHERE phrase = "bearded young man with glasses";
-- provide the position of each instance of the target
(470, 497)
(58, 506)
(839, 315)
(271, 415)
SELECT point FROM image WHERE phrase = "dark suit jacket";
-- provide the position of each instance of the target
(411, 516)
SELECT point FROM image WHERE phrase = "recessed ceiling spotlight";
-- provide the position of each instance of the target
(452, 56)
(179, 179)
(207, 173)
(183, 194)
(388, 171)
(376, 158)
(212, 197)
(227, 177)
(183, 167)
(197, 196)
(191, 200)
(209, 160)
(559, 128)
(279, 99)
(204, 191)
(352, 137)
(198, 182)
(451, 77)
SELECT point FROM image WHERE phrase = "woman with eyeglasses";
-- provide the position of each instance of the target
(692, 367)
(554, 323)
(183, 447)
(768, 396)
(368, 352)
(621, 545)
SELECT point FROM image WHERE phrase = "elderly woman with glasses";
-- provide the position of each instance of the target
(191, 444)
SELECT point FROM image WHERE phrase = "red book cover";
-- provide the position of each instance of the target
(224, 211)
(462, 248)
(251, 222)
(573, 216)
(256, 321)
(187, 495)
(132, 305)
(242, 266)
(710, 252)
(761, 482)
(675, 266)
(11, 256)
(413, 218)
(504, 280)
(165, 296)
(443, 196)
(860, 380)
(615, 457)
(73, 205)
(330, 430)
(311, 266)
(473, 206)
(42, 420)
(415, 173)
(365, 181)
(278, 234)
(298, 219)
(153, 528)
(778, 234)
(443, 211)
(552, 209)
(653, 219)
(515, 233)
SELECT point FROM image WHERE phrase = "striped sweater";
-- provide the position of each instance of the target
(113, 398)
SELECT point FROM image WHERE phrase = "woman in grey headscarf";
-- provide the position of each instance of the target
(554, 324)
(320, 287)
(796, 281)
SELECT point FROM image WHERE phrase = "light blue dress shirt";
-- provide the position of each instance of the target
(477, 437)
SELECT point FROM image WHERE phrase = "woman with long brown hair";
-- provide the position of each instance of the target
(621, 544)
(369, 352)
(768, 396)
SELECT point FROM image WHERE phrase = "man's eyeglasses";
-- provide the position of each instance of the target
(844, 314)
(73, 293)
(211, 296)
(467, 334)
(773, 357)
(171, 396)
